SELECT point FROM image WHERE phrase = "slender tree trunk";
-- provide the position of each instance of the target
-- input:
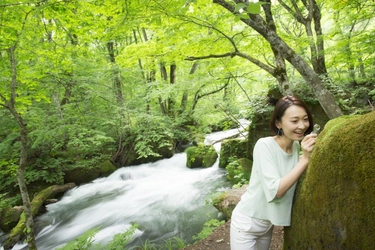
(117, 82)
(316, 41)
(320, 55)
(280, 71)
(30, 234)
(361, 67)
(164, 76)
(185, 95)
(171, 99)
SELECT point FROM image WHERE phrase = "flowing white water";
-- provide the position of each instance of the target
(164, 198)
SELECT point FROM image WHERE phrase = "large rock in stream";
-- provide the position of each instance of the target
(228, 200)
(334, 205)
(201, 156)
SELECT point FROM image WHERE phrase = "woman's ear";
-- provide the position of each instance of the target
(277, 124)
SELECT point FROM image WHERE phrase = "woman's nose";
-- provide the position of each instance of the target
(302, 124)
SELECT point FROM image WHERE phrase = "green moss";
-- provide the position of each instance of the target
(83, 174)
(9, 217)
(201, 156)
(218, 198)
(232, 149)
(334, 206)
(106, 168)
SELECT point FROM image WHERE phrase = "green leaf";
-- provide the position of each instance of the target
(239, 6)
(254, 8)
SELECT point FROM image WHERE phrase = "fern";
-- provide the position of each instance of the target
(83, 242)
(207, 230)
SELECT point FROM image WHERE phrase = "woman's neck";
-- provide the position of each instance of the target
(284, 143)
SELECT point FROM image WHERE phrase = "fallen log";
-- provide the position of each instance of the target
(18, 231)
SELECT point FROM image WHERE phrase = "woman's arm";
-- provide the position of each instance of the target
(292, 177)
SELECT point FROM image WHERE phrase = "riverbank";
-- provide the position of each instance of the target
(219, 239)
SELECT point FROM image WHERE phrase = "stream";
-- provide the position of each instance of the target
(165, 198)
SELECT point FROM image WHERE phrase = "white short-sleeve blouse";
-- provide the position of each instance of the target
(270, 164)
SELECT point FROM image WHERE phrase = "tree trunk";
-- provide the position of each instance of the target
(280, 71)
(324, 97)
(185, 95)
(36, 204)
(23, 153)
(316, 42)
(164, 75)
(116, 76)
(171, 99)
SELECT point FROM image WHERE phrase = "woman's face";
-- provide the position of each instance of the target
(294, 123)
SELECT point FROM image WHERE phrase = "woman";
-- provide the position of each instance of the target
(277, 166)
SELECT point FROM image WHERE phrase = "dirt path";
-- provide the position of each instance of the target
(219, 239)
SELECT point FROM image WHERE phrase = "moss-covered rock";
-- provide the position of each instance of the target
(227, 201)
(201, 156)
(231, 150)
(9, 217)
(37, 202)
(83, 174)
(334, 205)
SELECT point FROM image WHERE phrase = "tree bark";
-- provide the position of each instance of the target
(11, 106)
(185, 95)
(116, 76)
(316, 44)
(172, 80)
(324, 97)
(280, 71)
(164, 76)
(40, 198)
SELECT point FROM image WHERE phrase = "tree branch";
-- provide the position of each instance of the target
(270, 70)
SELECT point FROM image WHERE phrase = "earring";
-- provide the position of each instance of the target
(280, 132)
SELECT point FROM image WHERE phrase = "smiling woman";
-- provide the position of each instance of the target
(276, 168)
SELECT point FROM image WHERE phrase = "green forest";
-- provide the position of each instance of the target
(102, 84)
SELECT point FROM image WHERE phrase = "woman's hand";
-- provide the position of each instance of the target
(308, 144)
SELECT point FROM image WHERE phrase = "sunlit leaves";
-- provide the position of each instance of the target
(244, 10)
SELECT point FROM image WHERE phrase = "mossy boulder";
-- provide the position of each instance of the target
(334, 205)
(83, 174)
(9, 217)
(228, 200)
(201, 156)
(231, 150)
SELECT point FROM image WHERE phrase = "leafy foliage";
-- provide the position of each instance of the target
(236, 174)
(170, 244)
(208, 228)
(86, 241)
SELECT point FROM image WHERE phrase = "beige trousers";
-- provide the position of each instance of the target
(247, 233)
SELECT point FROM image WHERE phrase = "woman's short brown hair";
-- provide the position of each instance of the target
(280, 108)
